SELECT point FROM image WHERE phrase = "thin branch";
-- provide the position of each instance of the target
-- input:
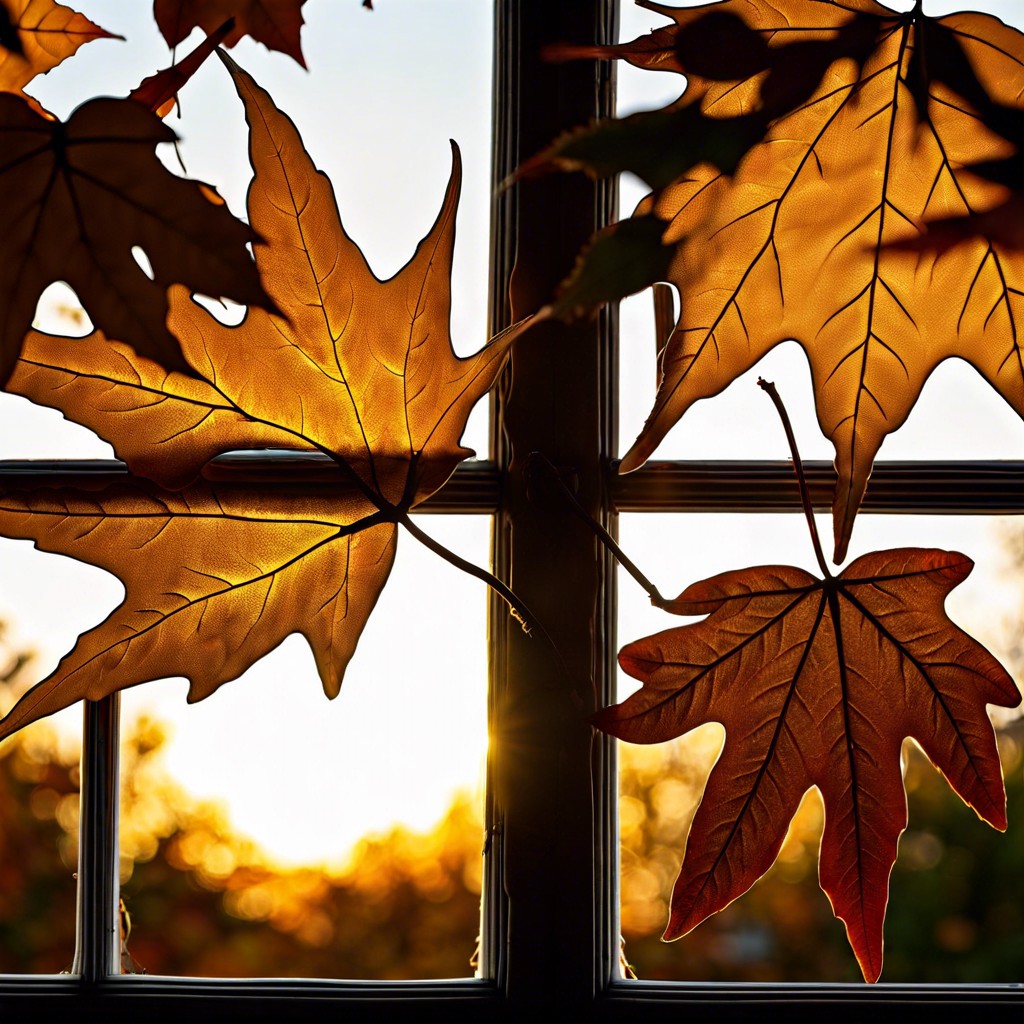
(798, 466)
(517, 608)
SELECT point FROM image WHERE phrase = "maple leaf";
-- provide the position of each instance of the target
(825, 138)
(35, 36)
(76, 197)
(817, 683)
(359, 369)
(274, 23)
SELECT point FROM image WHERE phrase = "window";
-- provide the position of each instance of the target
(550, 920)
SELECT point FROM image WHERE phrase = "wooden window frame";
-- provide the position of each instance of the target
(550, 918)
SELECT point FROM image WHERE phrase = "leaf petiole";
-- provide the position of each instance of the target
(805, 495)
(538, 459)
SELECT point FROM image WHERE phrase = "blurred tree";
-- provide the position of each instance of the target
(39, 837)
(204, 901)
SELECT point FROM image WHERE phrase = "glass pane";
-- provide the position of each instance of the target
(954, 912)
(39, 784)
(45, 602)
(265, 831)
(385, 91)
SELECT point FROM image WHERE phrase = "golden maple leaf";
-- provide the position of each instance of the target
(358, 369)
(813, 146)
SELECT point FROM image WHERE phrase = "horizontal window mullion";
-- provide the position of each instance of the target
(473, 488)
(947, 487)
(839, 1003)
(940, 487)
(130, 998)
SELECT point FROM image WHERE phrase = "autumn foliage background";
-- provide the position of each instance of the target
(205, 901)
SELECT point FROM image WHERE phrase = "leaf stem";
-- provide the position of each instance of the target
(798, 466)
(541, 460)
(517, 608)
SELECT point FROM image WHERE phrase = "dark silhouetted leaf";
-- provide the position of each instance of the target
(619, 261)
(159, 92)
(276, 24)
(818, 683)
(739, 79)
(77, 197)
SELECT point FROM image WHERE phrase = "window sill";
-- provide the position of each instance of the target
(128, 998)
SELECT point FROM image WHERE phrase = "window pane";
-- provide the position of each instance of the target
(39, 782)
(266, 831)
(385, 91)
(45, 602)
(954, 912)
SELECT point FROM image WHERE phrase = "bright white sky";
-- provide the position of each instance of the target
(384, 93)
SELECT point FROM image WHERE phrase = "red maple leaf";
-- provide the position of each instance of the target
(817, 682)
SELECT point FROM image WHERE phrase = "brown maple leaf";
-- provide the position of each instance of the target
(274, 23)
(35, 36)
(359, 369)
(824, 139)
(817, 683)
(76, 197)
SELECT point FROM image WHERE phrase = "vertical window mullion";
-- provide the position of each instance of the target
(551, 840)
(97, 944)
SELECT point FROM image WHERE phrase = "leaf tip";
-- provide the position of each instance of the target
(631, 461)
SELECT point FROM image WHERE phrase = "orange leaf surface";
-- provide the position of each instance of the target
(37, 35)
(359, 369)
(833, 135)
(274, 23)
(818, 683)
(214, 579)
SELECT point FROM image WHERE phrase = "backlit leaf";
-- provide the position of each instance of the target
(358, 369)
(35, 36)
(818, 683)
(213, 581)
(824, 139)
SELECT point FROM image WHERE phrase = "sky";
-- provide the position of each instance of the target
(384, 93)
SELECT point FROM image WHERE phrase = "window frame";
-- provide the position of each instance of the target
(550, 918)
